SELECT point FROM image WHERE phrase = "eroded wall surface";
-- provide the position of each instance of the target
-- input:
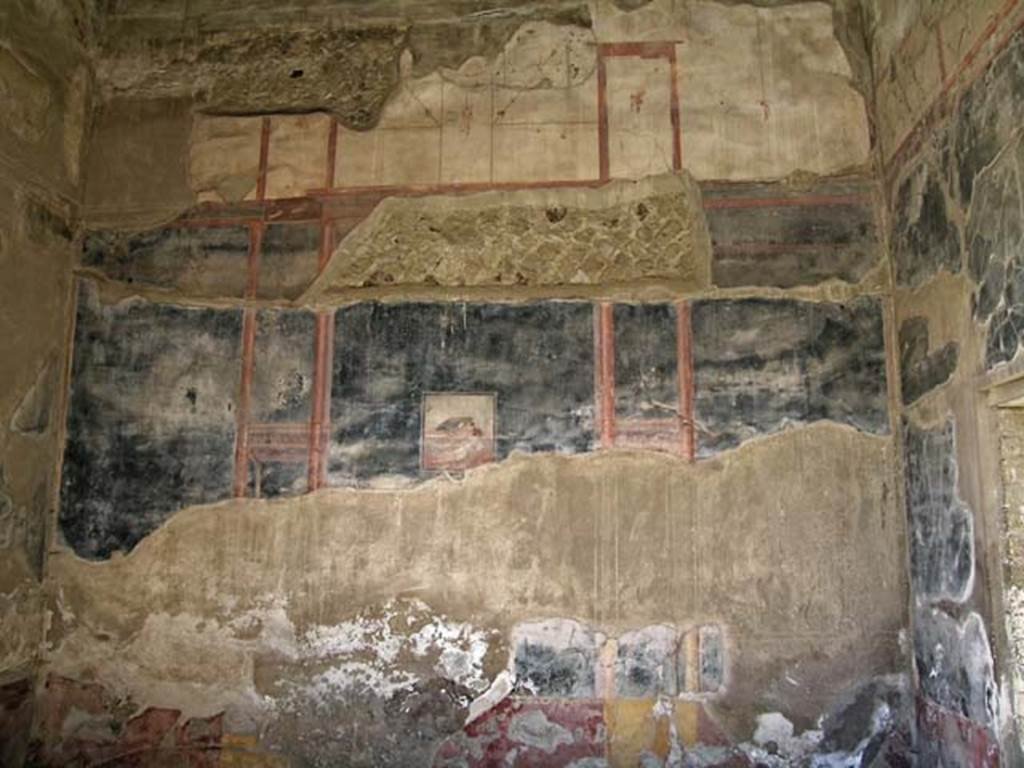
(539, 414)
(43, 99)
(949, 100)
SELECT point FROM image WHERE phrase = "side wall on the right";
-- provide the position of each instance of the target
(949, 109)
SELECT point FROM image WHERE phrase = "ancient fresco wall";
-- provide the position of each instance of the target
(44, 87)
(949, 98)
(535, 409)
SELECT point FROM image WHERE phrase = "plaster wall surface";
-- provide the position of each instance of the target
(948, 94)
(44, 103)
(587, 305)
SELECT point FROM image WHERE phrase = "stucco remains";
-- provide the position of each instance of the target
(625, 232)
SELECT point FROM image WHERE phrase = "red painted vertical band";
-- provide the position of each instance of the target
(318, 426)
(323, 351)
(261, 178)
(326, 244)
(677, 135)
(248, 361)
(602, 117)
(332, 154)
(606, 365)
(252, 282)
(684, 340)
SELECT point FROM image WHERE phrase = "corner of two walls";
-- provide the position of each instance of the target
(948, 110)
(652, 511)
(44, 99)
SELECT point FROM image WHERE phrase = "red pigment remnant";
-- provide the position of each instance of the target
(80, 725)
(636, 100)
(199, 741)
(711, 734)
(528, 732)
(971, 743)
(144, 733)
(62, 695)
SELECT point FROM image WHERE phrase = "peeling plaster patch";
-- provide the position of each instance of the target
(500, 690)
(556, 657)
(941, 524)
(777, 746)
(954, 664)
(367, 653)
(383, 687)
(182, 661)
(647, 662)
(533, 729)
(1013, 602)
(349, 71)
(527, 61)
(399, 663)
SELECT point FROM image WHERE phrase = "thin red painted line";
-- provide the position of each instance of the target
(261, 179)
(929, 114)
(326, 244)
(241, 479)
(604, 166)
(942, 52)
(674, 114)
(252, 284)
(451, 188)
(332, 154)
(661, 49)
(719, 203)
(990, 31)
(684, 362)
(248, 361)
(606, 354)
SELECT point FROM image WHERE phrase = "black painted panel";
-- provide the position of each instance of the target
(197, 261)
(925, 238)
(941, 525)
(151, 422)
(990, 111)
(762, 365)
(289, 258)
(954, 664)
(800, 241)
(282, 396)
(282, 382)
(646, 385)
(537, 358)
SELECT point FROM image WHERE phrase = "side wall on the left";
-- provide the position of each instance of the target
(43, 100)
